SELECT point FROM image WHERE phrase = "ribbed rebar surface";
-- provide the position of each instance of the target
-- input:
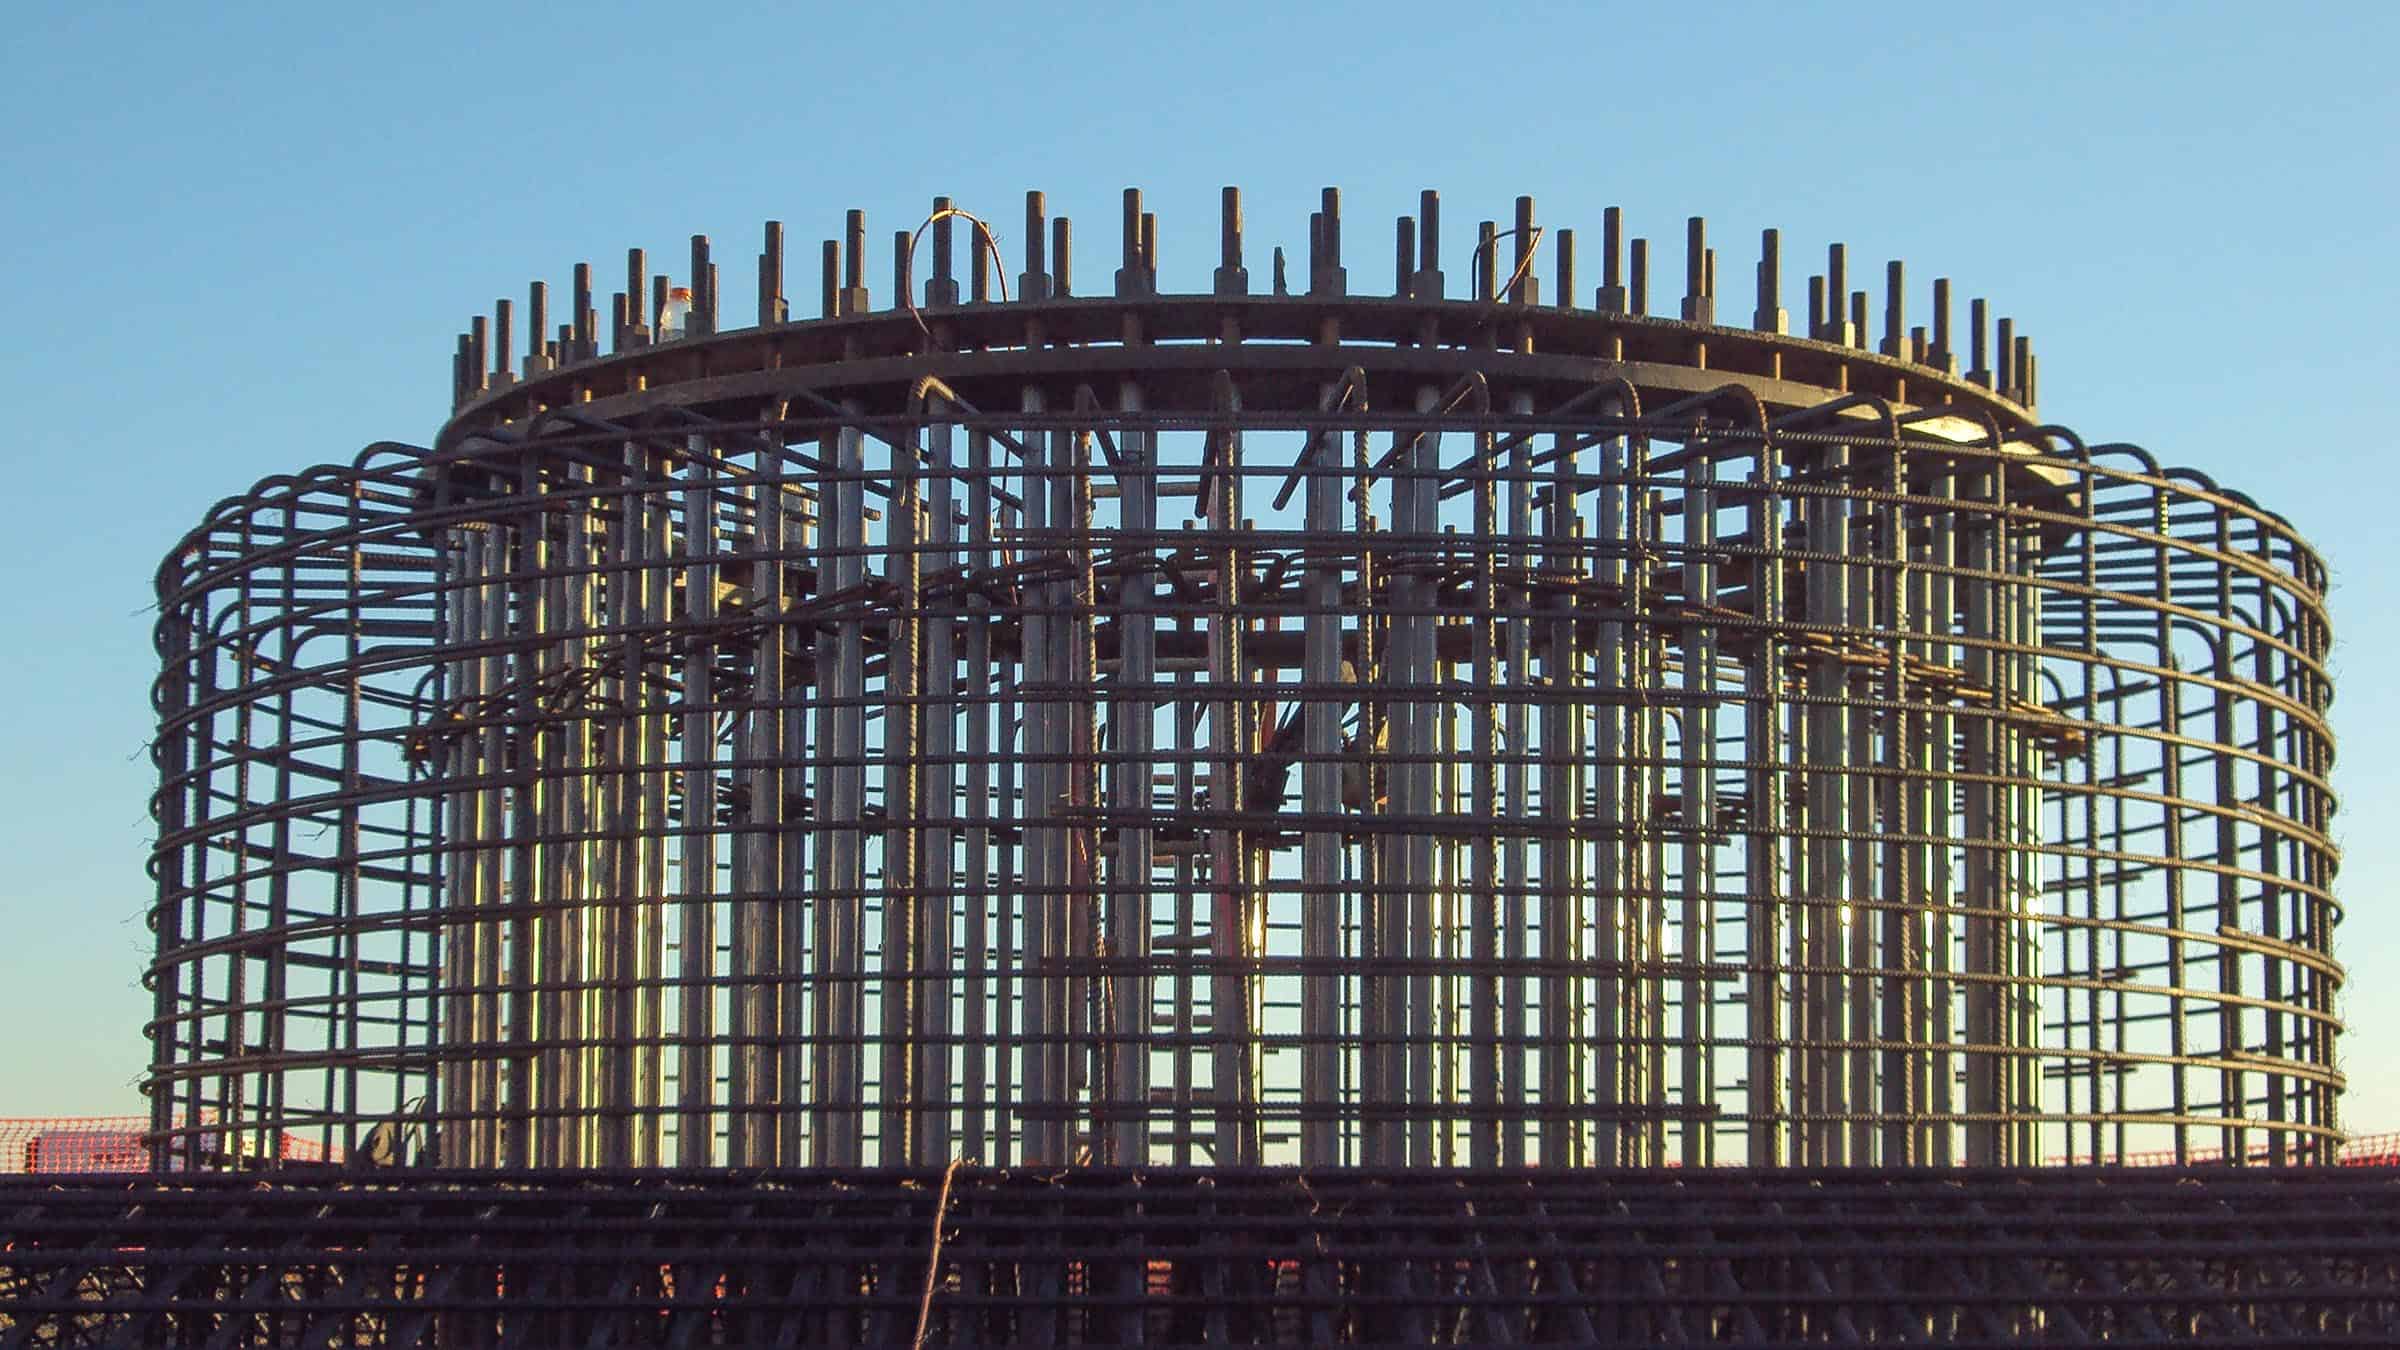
(1232, 729)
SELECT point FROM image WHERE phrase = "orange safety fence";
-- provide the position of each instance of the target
(2359, 1150)
(2371, 1150)
(116, 1144)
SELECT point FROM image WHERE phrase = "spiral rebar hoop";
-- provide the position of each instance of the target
(1243, 729)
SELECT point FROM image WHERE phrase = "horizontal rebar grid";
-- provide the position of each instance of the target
(1403, 749)
(1103, 1257)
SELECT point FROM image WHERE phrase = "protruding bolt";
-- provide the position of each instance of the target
(1232, 278)
(1769, 317)
(1895, 321)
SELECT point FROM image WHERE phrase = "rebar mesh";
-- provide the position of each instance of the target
(1099, 1256)
(1186, 730)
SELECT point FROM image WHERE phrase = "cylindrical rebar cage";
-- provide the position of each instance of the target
(1238, 729)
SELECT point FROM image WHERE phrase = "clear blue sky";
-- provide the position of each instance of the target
(242, 244)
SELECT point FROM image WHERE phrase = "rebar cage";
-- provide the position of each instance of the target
(1240, 729)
